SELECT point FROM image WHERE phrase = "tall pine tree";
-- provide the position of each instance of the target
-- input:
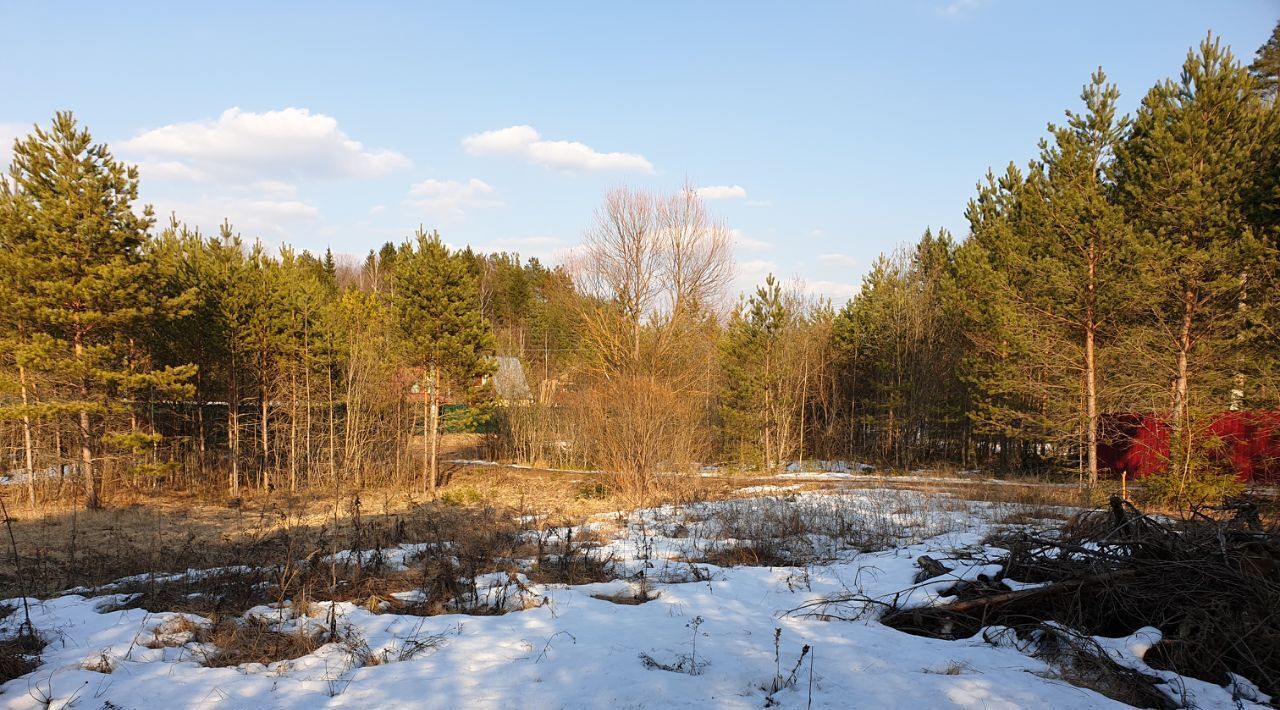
(1080, 262)
(1186, 172)
(73, 246)
(442, 328)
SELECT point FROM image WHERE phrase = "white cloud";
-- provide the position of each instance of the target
(722, 192)
(285, 209)
(9, 132)
(955, 8)
(742, 241)
(168, 170)
(377, 210)
(837, 291)
(276, 188)
(751, 273)
(504, 141)
(450, 198)
(288, 144)
(840, 259)
(525, 142)
(269, 219)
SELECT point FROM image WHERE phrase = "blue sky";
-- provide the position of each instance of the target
(838, 130)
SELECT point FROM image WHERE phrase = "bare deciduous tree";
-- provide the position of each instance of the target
(653, 270)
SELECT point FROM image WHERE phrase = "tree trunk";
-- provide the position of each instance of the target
(293, 430)
(86, 462)
(1181, 410)
(434, 420)
(399, 439)
(804, 400)
(1091, 408)
(1090, 375)
(333, 438)
(264, 470)
(306, 394)
(768, 416)
(233, 429)
(27, 447)
(426, 448)
(86, 441)
(201, 444)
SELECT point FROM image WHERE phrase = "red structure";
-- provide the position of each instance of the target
(1247, 442)
(1136, 443)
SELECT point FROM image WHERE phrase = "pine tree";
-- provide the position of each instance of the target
(1266, 65)
(749, 360)
(1082, 280)
(330, 266)
(901, 357)
(74, 246)
(1022, 393)
(1186, 172)
(442, 328)
(183, 263)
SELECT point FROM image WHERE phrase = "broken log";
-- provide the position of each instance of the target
(929, 568)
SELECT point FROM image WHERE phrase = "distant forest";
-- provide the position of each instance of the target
(1131, 267)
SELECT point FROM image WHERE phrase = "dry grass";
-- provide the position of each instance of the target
(242, 641)
(1031, 516)
(459, 545)
(797, 530)
(19, 657)
(749, 555)
(62, 547)
(478, 514)
(571, 558)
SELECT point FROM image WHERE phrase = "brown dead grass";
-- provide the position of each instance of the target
(18, 657)
(1031, 516)
(752, 555)
(61, 546)
(252, 641)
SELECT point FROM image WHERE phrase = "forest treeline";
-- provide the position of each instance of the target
(1130, 267)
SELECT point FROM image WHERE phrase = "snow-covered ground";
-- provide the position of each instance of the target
(564, 646)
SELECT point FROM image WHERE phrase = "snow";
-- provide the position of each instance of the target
(767, 489)
(18, 476)
(564, 647)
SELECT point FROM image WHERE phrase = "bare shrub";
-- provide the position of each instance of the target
(653, 272)
(563, 560)
(785, 680)
(637, 425)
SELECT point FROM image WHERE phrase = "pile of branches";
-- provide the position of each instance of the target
(1209, 583)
